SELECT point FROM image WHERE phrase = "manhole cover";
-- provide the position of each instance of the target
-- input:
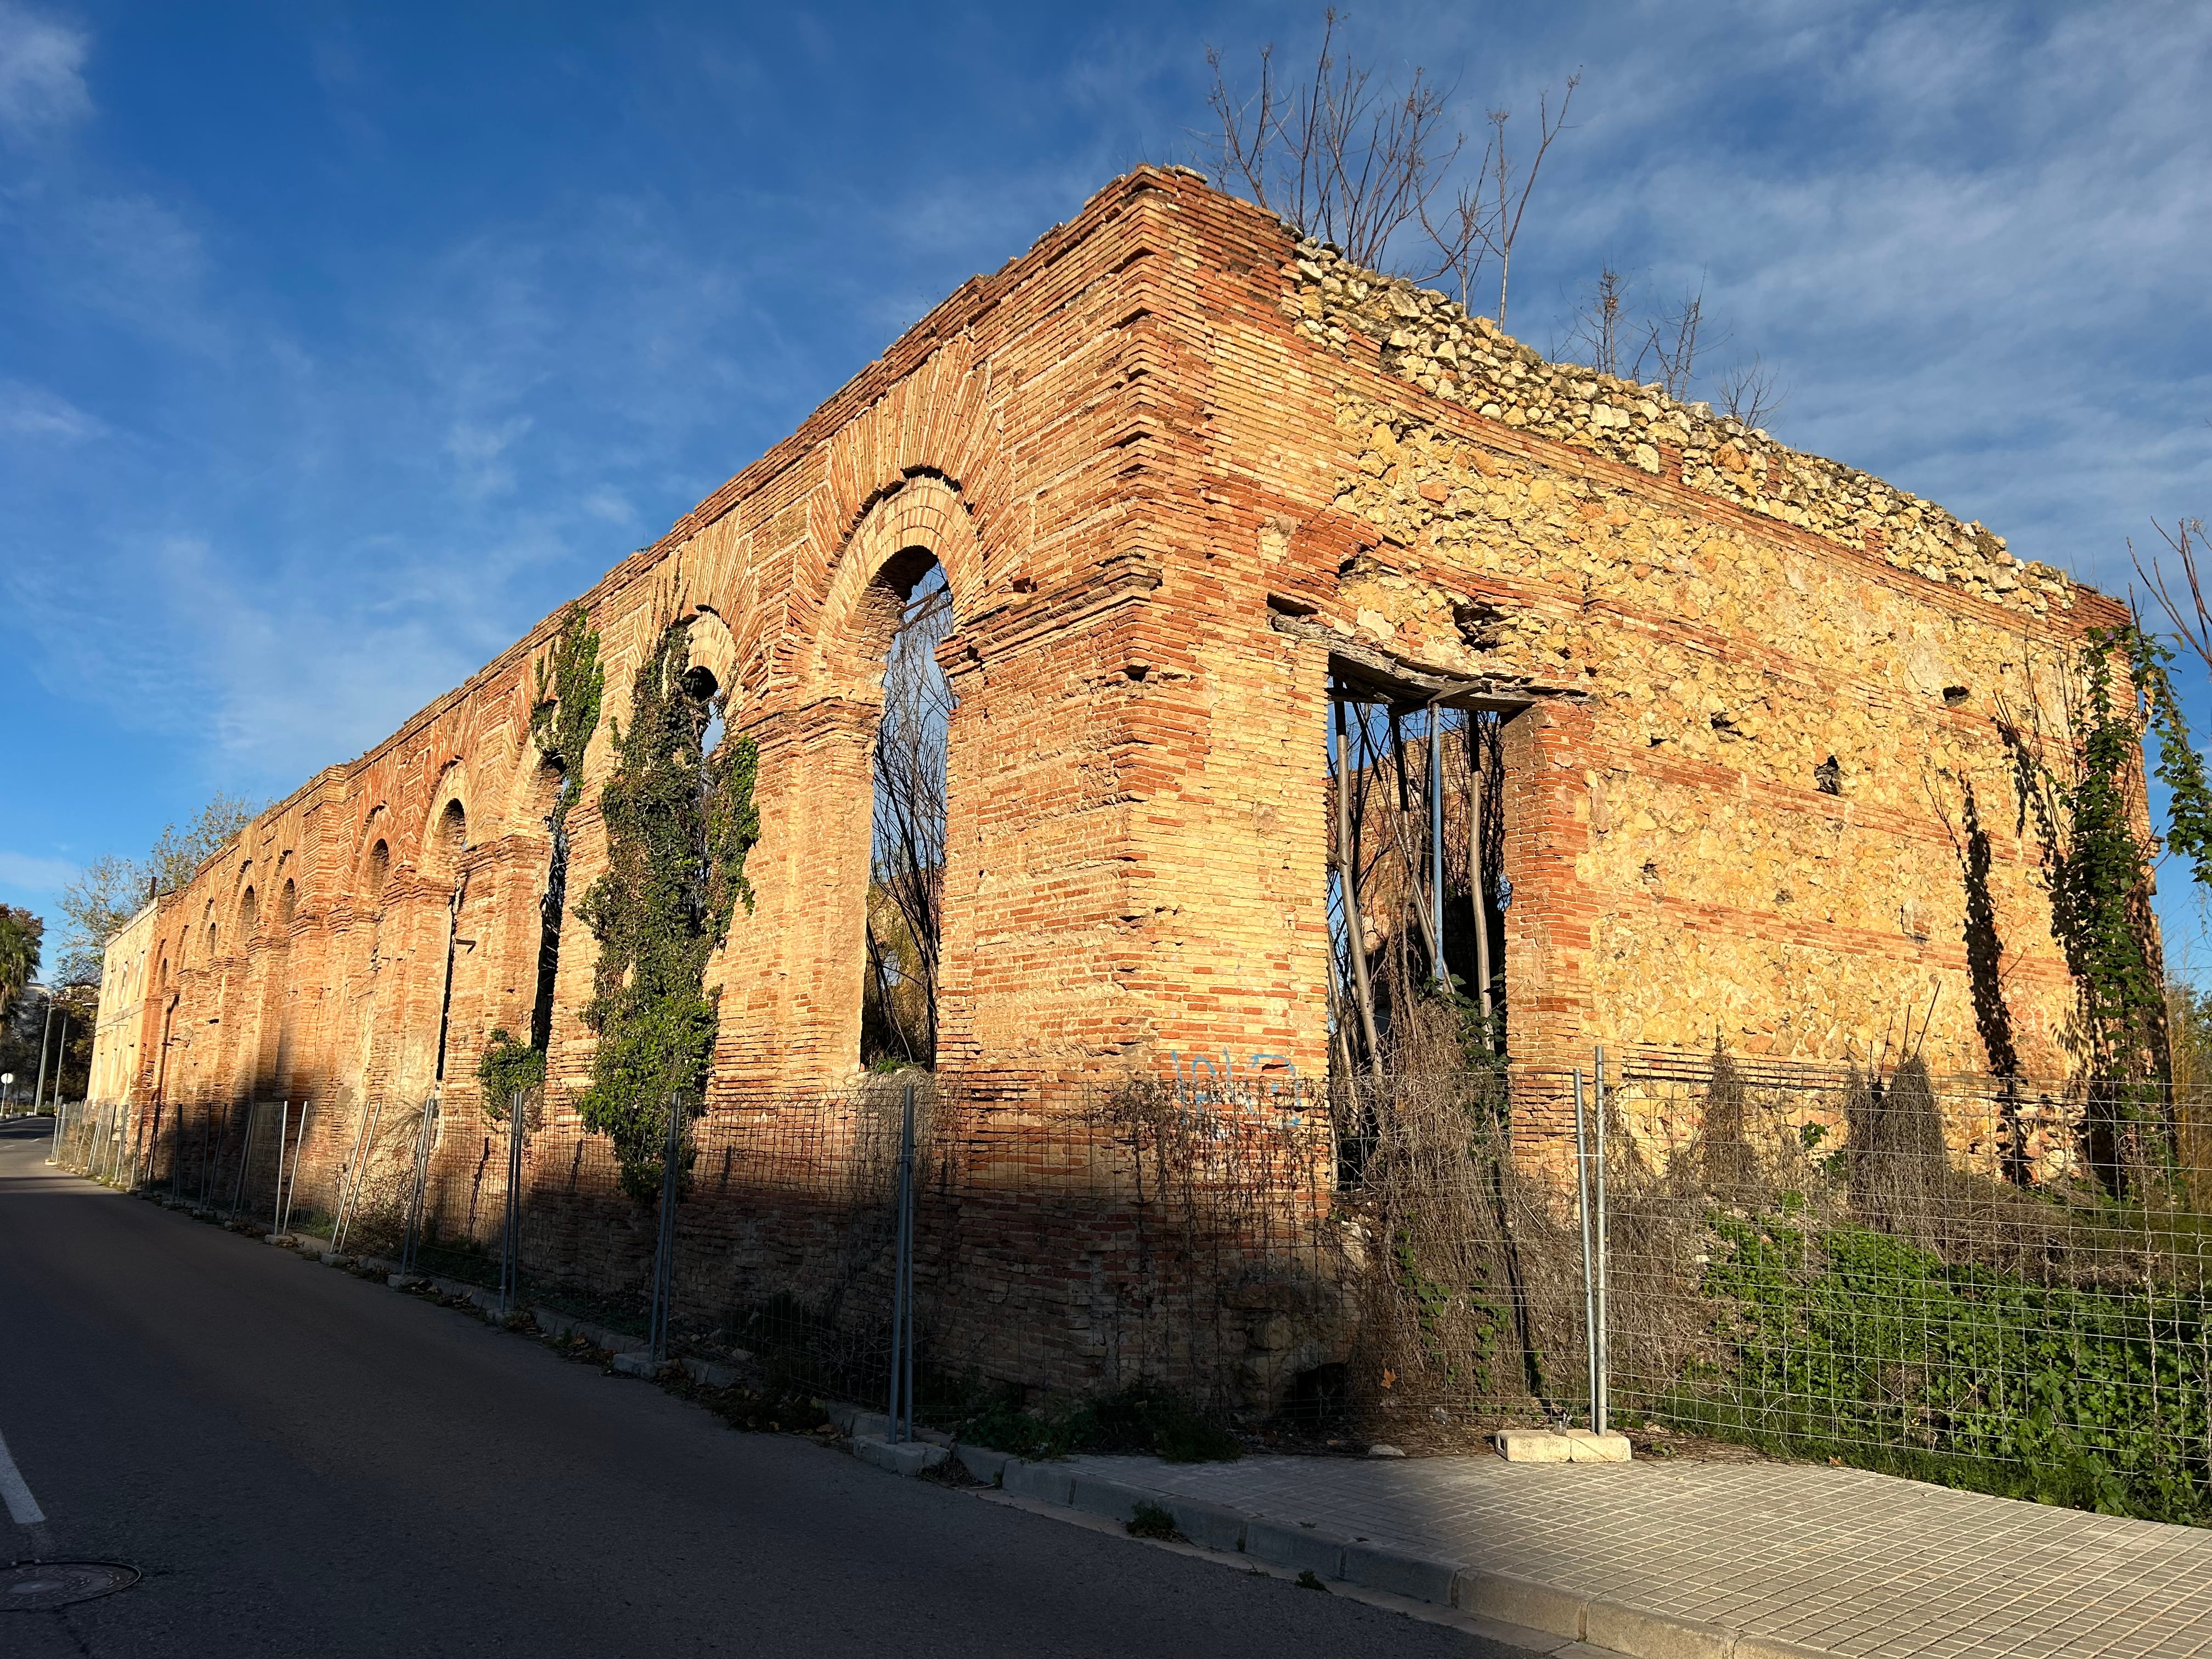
(34, 1586)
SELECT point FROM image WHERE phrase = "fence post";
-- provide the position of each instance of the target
(1603, 1341)
(286, 1189)
(1590, 1278)
(244, 1158)
(510, 1236)
(425, 1130)
(901, 1400)
(364, 1147)
(664, 1252)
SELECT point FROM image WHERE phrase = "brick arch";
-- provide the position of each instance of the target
(360, 881)
(816, 790)
(864, 598)
(711, 645)
(452, 789)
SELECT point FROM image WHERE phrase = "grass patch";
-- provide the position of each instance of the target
(1152, 1521)
(1142, 1421)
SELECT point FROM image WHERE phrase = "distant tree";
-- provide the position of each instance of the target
(1751, 392)
(1608, 333)
(906, 886)
(1602, 333)
(20, 935)
(114, 889)
(1358, 164)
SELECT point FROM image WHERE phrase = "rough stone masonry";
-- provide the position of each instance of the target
(1175, 464)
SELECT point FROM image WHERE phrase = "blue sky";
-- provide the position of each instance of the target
(338, 343)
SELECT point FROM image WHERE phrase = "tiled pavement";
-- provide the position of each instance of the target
(1837, 1560)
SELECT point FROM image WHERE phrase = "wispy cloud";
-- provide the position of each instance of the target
(34, 874)
(31, 412)
(41, 73)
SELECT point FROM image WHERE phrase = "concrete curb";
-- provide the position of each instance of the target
(1551, 1609)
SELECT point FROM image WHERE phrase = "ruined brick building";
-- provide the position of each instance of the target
(1181, 472)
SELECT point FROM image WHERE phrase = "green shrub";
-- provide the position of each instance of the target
(1857, 1343)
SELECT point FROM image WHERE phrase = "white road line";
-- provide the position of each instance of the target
(22, 1508)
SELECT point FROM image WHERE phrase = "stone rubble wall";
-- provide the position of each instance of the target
(1428, 339)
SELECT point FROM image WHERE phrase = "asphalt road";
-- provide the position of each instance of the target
(304, 1462)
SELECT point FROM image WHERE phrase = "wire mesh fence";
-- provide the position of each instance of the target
(1960, 1277)
(1985, 1282)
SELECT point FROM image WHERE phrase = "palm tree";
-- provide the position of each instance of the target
(20, 934)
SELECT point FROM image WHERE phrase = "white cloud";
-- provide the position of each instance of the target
(31, 412)
(41, 72)
(34, 874)
(478, 449)
(610, 506)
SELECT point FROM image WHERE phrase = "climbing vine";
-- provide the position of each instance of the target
(2096, 865)
(680, 824)
(2179, 768)
(509, 1068)
(571, 685)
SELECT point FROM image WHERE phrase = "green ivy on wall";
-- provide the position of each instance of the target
(509, 1066)
(680, 824)
(570, 687)
(2092, 827)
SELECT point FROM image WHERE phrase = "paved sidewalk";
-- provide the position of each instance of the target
(1829, 1561)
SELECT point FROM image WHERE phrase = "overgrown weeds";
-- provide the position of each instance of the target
(1143, 1421)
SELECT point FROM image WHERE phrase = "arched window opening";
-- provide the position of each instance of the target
(906, 886)
(552, 782)
(377, 874)
(249, 914)
(450, 839)
(287, 902)
(700, 686)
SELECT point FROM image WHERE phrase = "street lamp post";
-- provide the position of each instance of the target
(45, 1032)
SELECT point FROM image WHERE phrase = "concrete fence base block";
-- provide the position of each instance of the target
(1533, 1446)
(1513, 1600)
(907, 1457)
(561, 1324)
(1585, 1446)
(1301, 1547)
(708, 1374)
(636, 1365)
(1401, 1575)
(1650, 1636)
(986, 1465)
